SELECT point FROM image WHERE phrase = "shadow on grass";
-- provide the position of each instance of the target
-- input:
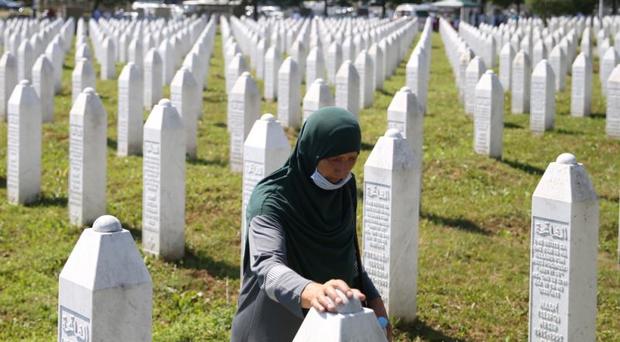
(206, 162)
(112, 144)
(136, 232)
(195, 259)
(598, 116)
(47, 201)
(420, 329)
(385, 92)
(367, 146)
(457, 223)
(512, 125)
(609, 198)
(220, 124)
(2, 182)
(533, 170)
(566, 131)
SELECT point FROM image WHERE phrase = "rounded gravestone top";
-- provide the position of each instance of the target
(164, 103)
(348, 305)
(319, 81)
(407, 89)
(24, 83)
(393, 133)
(566, 158)
(268, 117)
(246, 74)
(89, 90)
(107, 224)
(83, 59)
(131, 64)
(489, 72)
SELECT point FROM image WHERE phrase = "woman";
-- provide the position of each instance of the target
(301, 243)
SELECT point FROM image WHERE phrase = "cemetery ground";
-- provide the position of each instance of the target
(474, 229)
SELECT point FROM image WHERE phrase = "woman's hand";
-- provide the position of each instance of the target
(323, 297)
(378, 307)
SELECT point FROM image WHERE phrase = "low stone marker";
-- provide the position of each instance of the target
(474, 72)
(350, 323)
(272, 66)
(43, 82)
(105, 292)
(130, 106)
(581, 90)
(23, 174)
(612, 125)
(391, 203)
(87, 158)
(506, 57)
(348, 88)
(153, 78)
(243, 109)
(542, 105)
(82, 77)
(185, 97)
(289, 88)
(8, 81)
(108, 59)
(564, 249)
(317, 97)
(163, 198)
(489, 116)
(365, 69)
(521, 77)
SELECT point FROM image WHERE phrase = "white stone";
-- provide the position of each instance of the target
(185, 97)
(289, 88)
(8, 81)
(260, 59)
(333, 61)
(315, 65)
(390, 226)
(608, 63)
(43, 82)
(298, 52)
(557, 59)
(416, 76)
(489, 116)
(55, 54)
(108, 59)
(105, 290)
(365, 69)
(465, 58)
(612, 126)
(82, 77)
(87, 158)
(317, 97)
(265, 150)
(350, 323)
(581, 89)
(564, 250)
(153, 78)
(163, 200)
(405, 114)
(25, 59)
(521, 77)
(376, 54)
(474, 72)
(130, 107)
(506, 57)
(542, 104)
(23, 181)
(272, 66)
(539, 52)
(166, 53)
(236, 67)
(82, 51)
(136, 52)
(243, 110)
(348, 88)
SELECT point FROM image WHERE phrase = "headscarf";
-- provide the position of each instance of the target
(319, 224)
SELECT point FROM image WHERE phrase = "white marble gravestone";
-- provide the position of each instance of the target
(55, 54)
(87, 158)
(317, 97)
(8, 81)
(612, 126)
(25, 58)
(416, 75)
(350, 323)
(365, 69)
(542, 104)
(405, 114)
(272, 66)
(521, 77)
(489, 116)
(333, 61)
(265, 150)
(235, 68)
(260, 59)
(348, 88)
(82, 77)
(390, 227)
(564, 249)
(108, 59)
(185, 97)
(539, 52)
(243, 110)
(136, 52)
(581, 89)
(153, 78)
(130, 107)
(465, 58)
(289, 88)
(43, 82)
(163, 198)
(607, 65)
(506, 57)
(474, 72)
(376, 54)
(105, 292)
(557, 59)
(167, 54)
(298, 52)
(315, 65)
(23, 174)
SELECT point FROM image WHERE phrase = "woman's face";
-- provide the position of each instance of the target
(338, 167)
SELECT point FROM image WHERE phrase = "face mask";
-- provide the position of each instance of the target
(325, 184)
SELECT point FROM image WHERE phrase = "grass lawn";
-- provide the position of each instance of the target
(474, 228)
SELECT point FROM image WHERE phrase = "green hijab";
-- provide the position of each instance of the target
(319, 224)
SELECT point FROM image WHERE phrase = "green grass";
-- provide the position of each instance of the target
(474, 228)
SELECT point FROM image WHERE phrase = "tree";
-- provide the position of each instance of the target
(548, 8)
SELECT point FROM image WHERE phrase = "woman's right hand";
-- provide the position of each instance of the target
(323, 297)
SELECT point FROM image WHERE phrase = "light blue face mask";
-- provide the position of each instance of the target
(325, 184)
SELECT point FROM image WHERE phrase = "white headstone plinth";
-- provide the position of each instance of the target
(153, 78)
(474, 71)
(243, 109)
(348, 88)
(489, 116)
(82, 77)
(581, 90)
(521, 77)
(130, 106)
(8, 80)
(43, 82)
(317, 96)
(186, 97)
(289, 88)
(542, 104)
(612, 125)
